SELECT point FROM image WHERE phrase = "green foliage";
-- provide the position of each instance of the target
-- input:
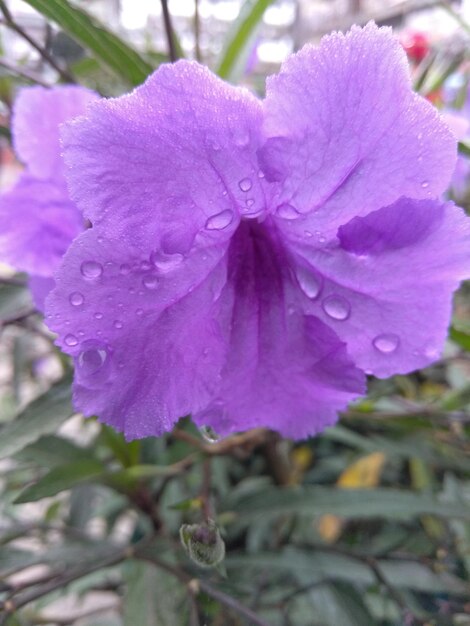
(242, 36)
(106, 47)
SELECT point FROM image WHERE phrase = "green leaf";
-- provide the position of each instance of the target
(250, 16)
(349, 503)
(152, 598)
(109, 49)
(458, 336)
(43, 415)
(464, 149)
(51, 450)
(309, 566)
(61, 478)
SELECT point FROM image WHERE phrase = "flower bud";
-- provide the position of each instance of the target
(203, 543)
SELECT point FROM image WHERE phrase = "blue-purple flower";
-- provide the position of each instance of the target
(250, 261)
(37, 218)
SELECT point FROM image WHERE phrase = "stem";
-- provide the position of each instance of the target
(10, 22)
(24, 73)
(197, 31)
(249, 439)
(169, 31)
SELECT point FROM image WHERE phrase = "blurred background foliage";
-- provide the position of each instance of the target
(366, 524)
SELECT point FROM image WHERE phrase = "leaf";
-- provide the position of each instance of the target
(310, 566)
(249, 17)
(152, 598)
(43, 415)
(458, 336)
(51, 450)
(365, 473)
(339, 604)
(61, 478)
(109, 49)
(352, 503)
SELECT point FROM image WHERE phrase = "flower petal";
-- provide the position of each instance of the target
(37, 223)
(285, 370)
(347, 135)
(386, 285)
(141, 328)
(38, 113)
(178, 153)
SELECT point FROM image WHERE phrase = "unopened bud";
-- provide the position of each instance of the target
(203, 543)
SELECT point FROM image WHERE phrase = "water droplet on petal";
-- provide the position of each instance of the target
(309, 282)
(125, 269)
(220, 220)
(145, 266)
(117, 324)
(139, 312)
(245, 184)
(287, 211)
(308, 233)
(249, 202)
(70, 340)
(93, 363)
(98, 315)
(260, 174)
(76, 298)
(386, 343)
(91, 269)
(209, 434)
(166, 262)
(150, 282)
(337, 307)
(425, 184)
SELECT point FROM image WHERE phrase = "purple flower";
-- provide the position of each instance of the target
(37, 218)
(251, 260)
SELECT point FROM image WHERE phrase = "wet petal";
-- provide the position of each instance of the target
(141, 327)
(386, 284)
(178, 154)
(285, 370)
(347, 135)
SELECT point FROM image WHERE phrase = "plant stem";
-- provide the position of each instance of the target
(10, 22)
(24, 73)
(169, 31)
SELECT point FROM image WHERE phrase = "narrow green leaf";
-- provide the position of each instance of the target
(61, 478)
(50, 451)
(348, 503)
(308, 565)
(464, 150)
(459, 337)
(109, 49)
(42, 416)
(250, 16)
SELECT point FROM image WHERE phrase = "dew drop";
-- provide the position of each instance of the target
(91, 269)
(145, 266)
(118, 324)
(76, 298)
(386, 343)
(337, 307)
(250, 202)
(98, 315)
(260, 174)
(309, 283)
(287, 211)
(91, 362)
(220, 220)
(425, 184)
(150, 282)
(209, 434)
(245, 184)
(70, 340)
(308, 233)
(139, 312)
(125, 269)
(166, 262)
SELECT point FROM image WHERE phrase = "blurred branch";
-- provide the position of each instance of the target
(24, 73)
(433, 413)
(169, 31)
(197, 31)
(10, 22)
